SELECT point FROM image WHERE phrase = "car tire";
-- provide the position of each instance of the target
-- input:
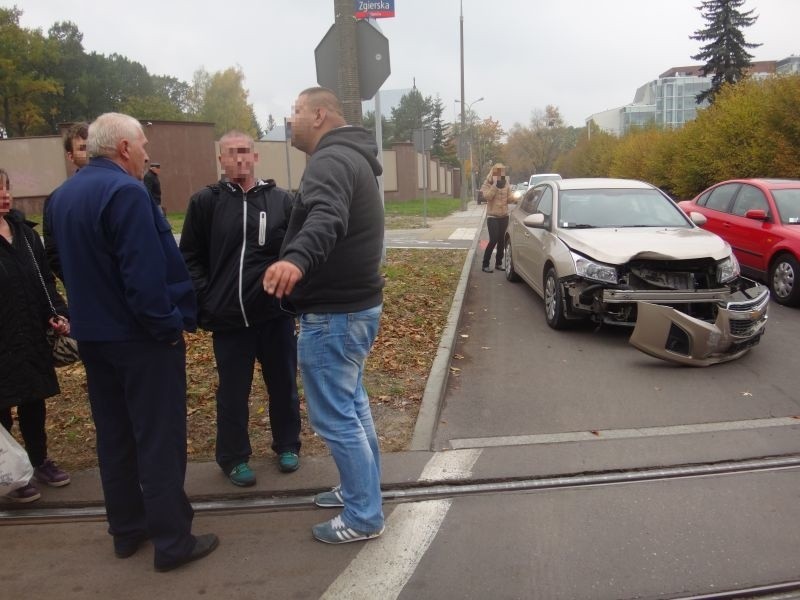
(508, 263)
(554, 301)
(783, 280)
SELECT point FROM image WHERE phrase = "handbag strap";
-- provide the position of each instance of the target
(39, 273)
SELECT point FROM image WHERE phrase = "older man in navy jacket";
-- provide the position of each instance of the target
(131, 298)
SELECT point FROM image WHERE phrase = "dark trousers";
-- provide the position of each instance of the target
(31, 416)
(274, 345)
(137, 391)
(497, 229)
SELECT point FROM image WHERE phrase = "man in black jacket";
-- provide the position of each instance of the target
(153, 183)
(233, 231)
(330, 267)
(75, 149)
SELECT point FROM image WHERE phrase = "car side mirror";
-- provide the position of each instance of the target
(534, 220)
(698, 219)
(756, 214)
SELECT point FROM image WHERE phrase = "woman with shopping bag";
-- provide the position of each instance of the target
(27, 292)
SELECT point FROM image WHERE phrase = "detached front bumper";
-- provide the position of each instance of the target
(669, 334)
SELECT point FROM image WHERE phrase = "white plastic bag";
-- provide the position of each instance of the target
(15, 467)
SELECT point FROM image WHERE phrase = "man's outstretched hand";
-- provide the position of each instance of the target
(281, 277)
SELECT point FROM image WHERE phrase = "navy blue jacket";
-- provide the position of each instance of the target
(125, 278)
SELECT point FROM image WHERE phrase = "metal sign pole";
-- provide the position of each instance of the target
(288, 135)
(424, 182)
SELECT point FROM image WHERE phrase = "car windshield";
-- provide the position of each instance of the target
(788, 202)
(580, 209)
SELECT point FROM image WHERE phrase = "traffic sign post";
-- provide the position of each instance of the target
(423, 139)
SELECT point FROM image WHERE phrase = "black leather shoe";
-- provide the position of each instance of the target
(125, 548)
(487, 269)
(203, 546)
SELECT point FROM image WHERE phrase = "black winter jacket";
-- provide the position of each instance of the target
(26, 360)
(335, 235)
(229, 239)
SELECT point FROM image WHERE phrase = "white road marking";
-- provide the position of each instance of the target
(463, 233)
(384, 565)
(607, 434)
(450, 465)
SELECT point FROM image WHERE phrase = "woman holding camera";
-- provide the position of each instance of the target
(496, 189)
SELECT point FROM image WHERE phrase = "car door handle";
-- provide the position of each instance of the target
(726, 225)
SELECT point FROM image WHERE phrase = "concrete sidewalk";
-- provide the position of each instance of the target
(458, 225)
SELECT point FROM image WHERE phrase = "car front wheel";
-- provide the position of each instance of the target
(508, 263)
(783, 282)
(553, 301)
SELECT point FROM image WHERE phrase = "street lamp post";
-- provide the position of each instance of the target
(471, 141)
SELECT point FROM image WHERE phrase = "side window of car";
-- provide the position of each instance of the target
(701, 201)
(546, 205)
(720, 197)
(749, 198)
(530, 200)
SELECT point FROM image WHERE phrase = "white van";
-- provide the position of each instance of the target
(539, 177)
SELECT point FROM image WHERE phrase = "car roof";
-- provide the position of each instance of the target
(589, 183)
(768, 182)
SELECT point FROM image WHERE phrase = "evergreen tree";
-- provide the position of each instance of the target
(387, 128)
(439, 133)
(725, 54)
(414, 112)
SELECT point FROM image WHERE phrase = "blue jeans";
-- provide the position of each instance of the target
(331, 349)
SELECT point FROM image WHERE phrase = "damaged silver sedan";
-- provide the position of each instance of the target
(621, 252)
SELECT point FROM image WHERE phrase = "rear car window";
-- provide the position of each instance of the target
(720, 197)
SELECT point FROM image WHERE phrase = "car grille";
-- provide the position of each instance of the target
(743, 328)
(745, 306)
(747, 316)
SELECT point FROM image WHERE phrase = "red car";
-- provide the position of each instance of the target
(760, 219)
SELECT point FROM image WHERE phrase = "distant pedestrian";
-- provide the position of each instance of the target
(330, 270)
(131, 298)
(26, 359)
(232, 232)
(153, 183)
(496, 189)
(75, 150)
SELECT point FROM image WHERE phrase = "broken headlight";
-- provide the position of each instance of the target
(592, 270)
(727, 269)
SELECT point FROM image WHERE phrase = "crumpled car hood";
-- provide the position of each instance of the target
(621, 245)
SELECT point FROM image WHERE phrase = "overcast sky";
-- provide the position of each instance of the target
(583, 56)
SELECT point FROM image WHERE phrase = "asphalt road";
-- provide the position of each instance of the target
(517, 377)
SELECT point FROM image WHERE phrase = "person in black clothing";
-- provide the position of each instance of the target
(153, 183)
(26, 359)
(232, 232)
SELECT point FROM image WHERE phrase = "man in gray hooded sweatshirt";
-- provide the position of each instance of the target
(330, 271)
